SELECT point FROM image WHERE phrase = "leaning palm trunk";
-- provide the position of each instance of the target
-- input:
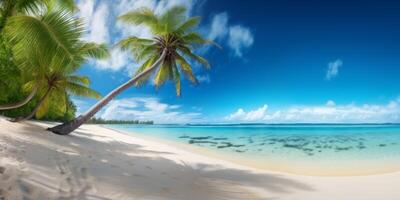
(21, 103)
(45, 96)
(68, 127)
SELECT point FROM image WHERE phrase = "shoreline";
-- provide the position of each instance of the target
(269, 166)
(100, 163)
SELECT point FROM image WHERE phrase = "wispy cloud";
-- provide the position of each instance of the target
(237, 37)
(328, 113)
(333, 69)
(147, 109)
(95, 16)
(204, 78)
(219, 26)
(240, 38)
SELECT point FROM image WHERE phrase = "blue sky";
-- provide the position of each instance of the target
(282, 61)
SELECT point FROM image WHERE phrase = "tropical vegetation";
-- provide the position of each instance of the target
(95, 120)
(40, 51)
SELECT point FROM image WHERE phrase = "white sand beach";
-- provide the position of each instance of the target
(98, 163)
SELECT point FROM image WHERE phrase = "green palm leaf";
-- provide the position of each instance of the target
(53, 33)
(81, 90)
(93, 50)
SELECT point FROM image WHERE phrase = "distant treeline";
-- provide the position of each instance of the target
(103, 121)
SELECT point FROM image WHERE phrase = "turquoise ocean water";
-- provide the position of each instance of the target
(367, 148)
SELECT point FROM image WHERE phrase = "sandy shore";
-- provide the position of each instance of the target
(98, 163)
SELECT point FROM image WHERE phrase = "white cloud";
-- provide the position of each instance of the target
(333, 69)
(329, 113)
(118, 60)
(86, 10)
(147, 109)
(253, 115)
(203, 78)
(96, 18)
(237, 37)
(330, 103)
(219, 26)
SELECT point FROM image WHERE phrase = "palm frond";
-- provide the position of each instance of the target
(143, 67)
(28, 5)
(43, 108)
(177, 79)
(82, 80)
(132, 42)
(59, 96)
(64, 4)
(187, 52)
(188, 24)
(163, 74)
(171, 19)
(142, 16)
(196, 39)
(81, 90)
(187, 69)
(94, 50)
(54, 33)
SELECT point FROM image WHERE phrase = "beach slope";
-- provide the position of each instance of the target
(99, 163)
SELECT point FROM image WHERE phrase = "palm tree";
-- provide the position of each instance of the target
(56, 85)
(11, 8)
(56, 52)
(165, 54)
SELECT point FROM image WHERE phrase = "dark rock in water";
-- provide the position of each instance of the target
(327, 147)
(343, 148)
(308, 149)
(201, 138)
(202, 142)
(226, 145)
(382, 145)
(220, 138)
(292, 146)
(239, 151)
(238, 145)
(184, 136)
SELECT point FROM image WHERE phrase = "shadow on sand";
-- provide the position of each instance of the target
(85, 166)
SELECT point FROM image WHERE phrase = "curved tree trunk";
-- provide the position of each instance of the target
(21, 103)
(46, 95)
(68, 127)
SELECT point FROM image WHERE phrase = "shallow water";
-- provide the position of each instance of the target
(305, 149)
